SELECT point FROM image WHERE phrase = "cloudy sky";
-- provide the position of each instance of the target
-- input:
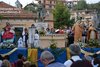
(24, 2)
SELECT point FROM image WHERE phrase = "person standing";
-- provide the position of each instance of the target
(36, 39)
(70, 36)
(25, 37)
(77, 29)
(47, 31)
(84, 35)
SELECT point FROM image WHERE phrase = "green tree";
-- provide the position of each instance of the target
(95, 6)
(61, 15)
(31, 7)
(81, 5)
(1, 17)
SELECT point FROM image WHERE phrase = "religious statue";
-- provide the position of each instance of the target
(77, 29)
(92, 33)
(8, 33)
(41, 12)
(18, 4)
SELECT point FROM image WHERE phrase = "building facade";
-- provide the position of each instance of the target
(49, 5)
(17, 17)
(88, 16)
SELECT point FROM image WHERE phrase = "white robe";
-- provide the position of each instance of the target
(36, 40)
(23, 36)
(92, 35)
(20, 42)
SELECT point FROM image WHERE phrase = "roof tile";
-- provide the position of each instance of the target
(14, 12)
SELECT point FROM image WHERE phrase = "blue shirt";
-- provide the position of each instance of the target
(56, 64)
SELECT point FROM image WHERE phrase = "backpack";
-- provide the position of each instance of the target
(81, 63)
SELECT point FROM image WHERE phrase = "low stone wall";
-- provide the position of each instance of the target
(59, 39)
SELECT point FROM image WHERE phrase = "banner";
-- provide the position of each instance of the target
(33, 55)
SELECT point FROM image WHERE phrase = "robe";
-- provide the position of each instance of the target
(92, 34)
(77, 29)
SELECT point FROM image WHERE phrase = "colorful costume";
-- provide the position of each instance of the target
(92, 33)
(8, 35)
(77, 29)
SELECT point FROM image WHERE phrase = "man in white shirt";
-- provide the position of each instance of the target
(75, 51)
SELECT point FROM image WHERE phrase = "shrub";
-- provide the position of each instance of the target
(93, 43)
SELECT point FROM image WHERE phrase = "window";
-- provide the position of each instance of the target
(50, 2)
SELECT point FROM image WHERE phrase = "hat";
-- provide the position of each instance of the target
(75, 49)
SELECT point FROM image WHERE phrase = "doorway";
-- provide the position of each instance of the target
(18, 33)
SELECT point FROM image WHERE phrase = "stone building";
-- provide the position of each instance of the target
(17, 17)
(89, 16)
(49, 5)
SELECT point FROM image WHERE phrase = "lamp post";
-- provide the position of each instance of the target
(31, 35)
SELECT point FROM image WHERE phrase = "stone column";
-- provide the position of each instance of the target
(31, 35)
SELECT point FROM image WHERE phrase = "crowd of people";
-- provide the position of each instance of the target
(8, 35)
(75, 61)
(49, 60)
(20, 62)
(75, 34)
(81, 33)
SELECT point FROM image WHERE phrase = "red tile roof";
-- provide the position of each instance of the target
(8, 11)
(5, 5)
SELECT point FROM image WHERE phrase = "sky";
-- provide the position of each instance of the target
(24, 2)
